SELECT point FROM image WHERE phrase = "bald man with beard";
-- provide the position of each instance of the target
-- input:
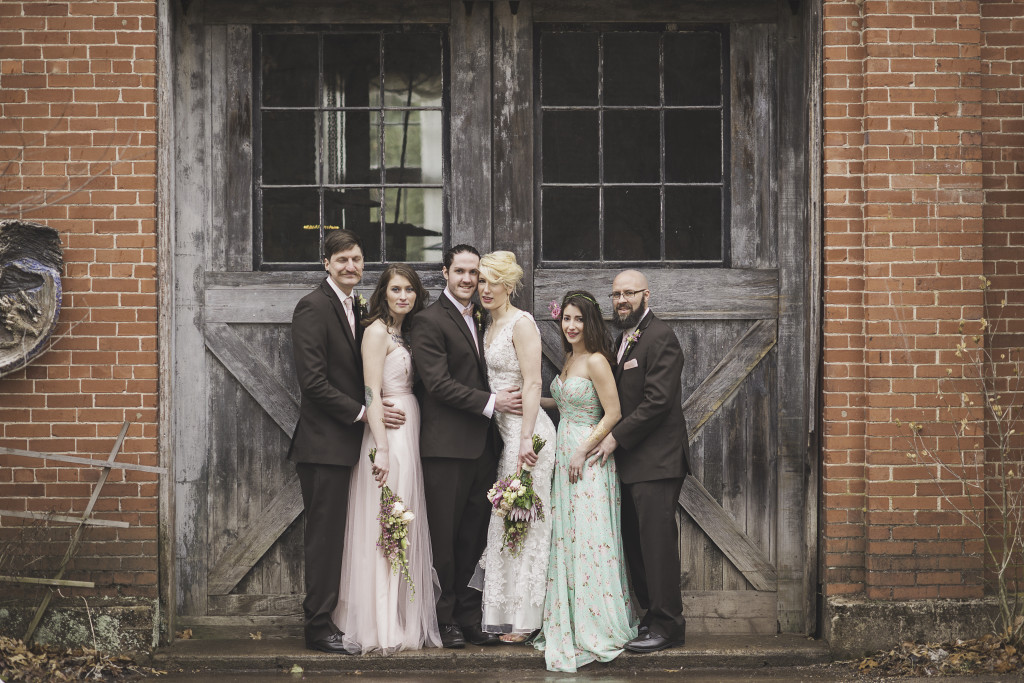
(651, 456)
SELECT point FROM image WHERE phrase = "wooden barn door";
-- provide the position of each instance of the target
(671, 137)
(726, 250)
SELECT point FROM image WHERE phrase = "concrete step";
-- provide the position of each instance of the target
(282, 654)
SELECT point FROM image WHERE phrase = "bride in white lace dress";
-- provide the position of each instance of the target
(513, 587)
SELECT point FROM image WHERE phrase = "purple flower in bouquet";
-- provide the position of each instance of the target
(393, 541)
(514, 499)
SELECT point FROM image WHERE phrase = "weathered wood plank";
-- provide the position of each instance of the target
(469, 183)
(752, 147)
(744, 604)
(166, 409)
(512, 138)
(256, 539)
(252, 372)
(63, 457)
(796, 559)
(63, 518)
(727, 535)
(255, 605)
(551, 342)
(655, 10)
(236, 621)
(326, 12)
(263, 304)
(762, 626)
(713, 293)
(236, 130)
(191, 226)
(813, 52)
(47, 582)
(728, 374)
(306, 280)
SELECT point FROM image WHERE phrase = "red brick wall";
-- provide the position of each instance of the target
(922, 184)
(78, 140)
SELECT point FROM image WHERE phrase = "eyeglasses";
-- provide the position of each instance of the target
(628, 294)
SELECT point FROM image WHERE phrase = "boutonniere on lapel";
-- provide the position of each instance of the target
(631, 341)
(363, 311)
(478, 316)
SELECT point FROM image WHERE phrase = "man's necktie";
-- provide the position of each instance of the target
(350, 314)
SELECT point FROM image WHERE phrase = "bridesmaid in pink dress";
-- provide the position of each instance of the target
(378, 611)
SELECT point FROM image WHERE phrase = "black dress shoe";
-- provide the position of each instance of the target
(332, 643)
(651, 642)
(476, 636)
(451, 636)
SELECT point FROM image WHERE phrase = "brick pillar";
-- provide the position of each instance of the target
(902, 267)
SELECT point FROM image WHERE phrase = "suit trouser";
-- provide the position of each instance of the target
(458, 513)
(325, 500)
(650, 538)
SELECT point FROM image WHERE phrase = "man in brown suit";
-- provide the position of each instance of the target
(651, 454)
(457, 443)
(325, 342)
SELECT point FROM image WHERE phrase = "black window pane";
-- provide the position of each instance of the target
(632, 223)
(570, 223)
(693, 64)
(289, 147)
(351, 70)
(693, 223)
(568, 69)
(570, 144)
(291, 218)
(414, 217)
(693, 146)
(412, 70)
(358, 210)
(289, 70)
(632, 147)
(631, 69)
(349, 147)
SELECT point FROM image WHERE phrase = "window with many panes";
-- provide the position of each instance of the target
(350, 133)
(632, 163)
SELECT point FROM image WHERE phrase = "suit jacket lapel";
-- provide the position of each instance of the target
(339, 310)
(631, 347)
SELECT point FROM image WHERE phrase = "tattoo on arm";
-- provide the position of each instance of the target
(368, 395)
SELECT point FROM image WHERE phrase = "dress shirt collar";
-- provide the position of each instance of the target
(458, 306)
(341, 295)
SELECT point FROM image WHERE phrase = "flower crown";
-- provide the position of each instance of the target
(556, 308)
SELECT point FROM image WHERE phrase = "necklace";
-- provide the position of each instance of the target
(570, 362)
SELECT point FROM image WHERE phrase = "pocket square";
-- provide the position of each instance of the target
(630, 364)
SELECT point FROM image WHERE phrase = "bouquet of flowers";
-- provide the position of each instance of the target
(514, 499)
(393, 541)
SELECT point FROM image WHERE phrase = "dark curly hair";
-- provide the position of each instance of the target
(595, 335)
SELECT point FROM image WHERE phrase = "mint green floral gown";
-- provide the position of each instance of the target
(587, 612)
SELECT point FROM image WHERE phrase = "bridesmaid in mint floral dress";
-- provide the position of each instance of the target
(587, 612)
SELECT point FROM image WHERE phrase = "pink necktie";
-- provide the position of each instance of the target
(350, 315)
(622, 347)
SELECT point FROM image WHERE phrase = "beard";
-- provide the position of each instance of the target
(631, 320)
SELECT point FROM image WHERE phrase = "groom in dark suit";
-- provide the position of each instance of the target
(457, 442)
(651, 456)
(325, 342)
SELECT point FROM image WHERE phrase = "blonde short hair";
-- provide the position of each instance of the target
(501, 267)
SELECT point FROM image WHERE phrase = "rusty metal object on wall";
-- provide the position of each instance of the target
(31, 262)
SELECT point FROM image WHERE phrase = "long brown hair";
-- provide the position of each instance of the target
(378, 307)
(595, 334)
